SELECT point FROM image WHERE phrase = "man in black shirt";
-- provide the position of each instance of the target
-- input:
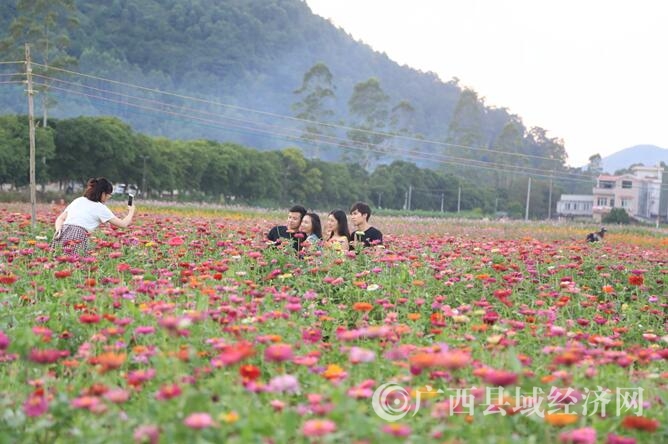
(295, 215)
(364, 233)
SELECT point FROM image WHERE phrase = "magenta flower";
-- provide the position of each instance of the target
(36, 404)
(4, 341)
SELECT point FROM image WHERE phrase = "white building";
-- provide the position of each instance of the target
(575, 205)
(638, 193)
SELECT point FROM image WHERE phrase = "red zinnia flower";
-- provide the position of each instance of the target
(636, 280)
(249, 372)
(89, 318)
(640, 423)
(61, 274)
(8, 279)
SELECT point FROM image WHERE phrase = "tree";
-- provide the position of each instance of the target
(368, 106)
(93, 146)
(617, 216)
(317, 92)
(299, 179)
(595, 166)
(45, 26)
(466, 129)
(14, 146)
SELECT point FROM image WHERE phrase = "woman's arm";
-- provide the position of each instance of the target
(126, 221)
(60, 220)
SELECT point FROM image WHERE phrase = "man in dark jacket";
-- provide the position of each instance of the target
(279, 232)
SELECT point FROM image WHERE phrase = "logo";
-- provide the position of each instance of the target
(391, 402)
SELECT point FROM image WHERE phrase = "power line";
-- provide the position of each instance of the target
(318, 138)
(292, 118)
(431, 157)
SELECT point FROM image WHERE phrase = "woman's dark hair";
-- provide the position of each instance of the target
(342, 221)
(315, 224)
(95, 188)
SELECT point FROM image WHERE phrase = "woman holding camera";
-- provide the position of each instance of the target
(84, 214)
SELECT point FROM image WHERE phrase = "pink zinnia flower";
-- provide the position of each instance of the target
(395, 429)
(358, 354)
(4, 341)
(278, 353)
(36, 405)
(175, 241)
(168, 391)
(284, 383)
(616, 439)
(117, 396)
(585, 435)
(499, 378)
(318, 427)
(199, 421)
(147, 434)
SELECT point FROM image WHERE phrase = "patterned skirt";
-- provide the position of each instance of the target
(73, 239)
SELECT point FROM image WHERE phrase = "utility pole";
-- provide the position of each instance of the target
(31, 123)
(410, 196)
(459, 199)
(442, 201)
(143, 175)
(526, 211)
(658, 198)
(549, 207)
(380, 196)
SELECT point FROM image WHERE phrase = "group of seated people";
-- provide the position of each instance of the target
(305, 228)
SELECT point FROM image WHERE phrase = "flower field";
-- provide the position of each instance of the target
(187, 327)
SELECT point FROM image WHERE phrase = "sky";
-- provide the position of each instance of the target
(591, 72)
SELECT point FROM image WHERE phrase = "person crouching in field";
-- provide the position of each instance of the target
(84, 214)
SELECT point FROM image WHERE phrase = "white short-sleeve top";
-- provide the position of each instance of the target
(87, 214)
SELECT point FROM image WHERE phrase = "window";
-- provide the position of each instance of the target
(627, 184)
(607, 184)
(602, 202)
(626, 203)
(612, 201)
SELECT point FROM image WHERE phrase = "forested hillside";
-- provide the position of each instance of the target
(264, 74)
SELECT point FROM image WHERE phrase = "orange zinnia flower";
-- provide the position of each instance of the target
(362, 306)
(333, 371)
(108, 361)
(561, 419)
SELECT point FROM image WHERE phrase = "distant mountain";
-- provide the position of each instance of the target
(648, 155)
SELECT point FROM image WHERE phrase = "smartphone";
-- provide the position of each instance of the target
(130, 199)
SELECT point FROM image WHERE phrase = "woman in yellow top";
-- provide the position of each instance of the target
(338, 235)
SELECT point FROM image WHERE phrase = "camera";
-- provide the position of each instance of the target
(130, 199)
